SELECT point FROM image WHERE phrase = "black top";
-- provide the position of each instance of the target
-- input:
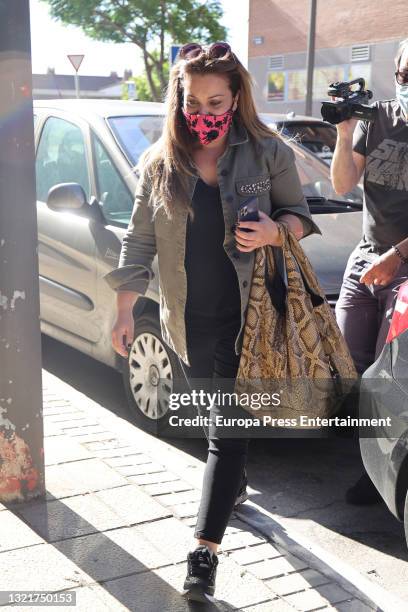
(212, 281)
(384, 143)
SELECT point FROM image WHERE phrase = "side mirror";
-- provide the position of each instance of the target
(71, 196)
(66, 196)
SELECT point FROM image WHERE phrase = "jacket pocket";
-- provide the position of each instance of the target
(254, 185)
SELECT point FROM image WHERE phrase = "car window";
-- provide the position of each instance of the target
(61, 157)
(135, 133)
(319, 139)
(114, 195)
(315, 178)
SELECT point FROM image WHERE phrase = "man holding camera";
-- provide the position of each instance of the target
(379, 263)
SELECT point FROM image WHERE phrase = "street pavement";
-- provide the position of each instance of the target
(119, 515)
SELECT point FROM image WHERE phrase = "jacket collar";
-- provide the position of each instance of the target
(237, 133)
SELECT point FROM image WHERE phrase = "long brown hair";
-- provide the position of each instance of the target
(168, 162)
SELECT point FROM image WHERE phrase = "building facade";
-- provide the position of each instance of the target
(354, 38)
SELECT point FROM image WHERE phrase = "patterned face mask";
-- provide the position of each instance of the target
(209, 128)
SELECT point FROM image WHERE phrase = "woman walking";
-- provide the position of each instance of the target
(214, 152)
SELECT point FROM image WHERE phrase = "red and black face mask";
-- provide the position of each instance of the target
(209, 128)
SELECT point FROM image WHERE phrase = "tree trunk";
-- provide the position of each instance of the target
(149, 74)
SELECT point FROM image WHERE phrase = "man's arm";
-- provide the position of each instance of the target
(349, 156)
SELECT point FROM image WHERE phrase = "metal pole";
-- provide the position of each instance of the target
(21, 424)
(77, 83)
(310, 58)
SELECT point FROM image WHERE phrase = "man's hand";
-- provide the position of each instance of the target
(345, 129)
(383, 270)
(265, 231)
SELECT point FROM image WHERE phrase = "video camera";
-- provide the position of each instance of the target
(353, 104)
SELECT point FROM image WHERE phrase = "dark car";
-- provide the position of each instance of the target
(318, 136)
(95, 144)
(384, 394)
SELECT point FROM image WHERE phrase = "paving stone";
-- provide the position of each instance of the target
(74, 418)
(93, 437)
(14, 533)
(91, 597)
(171, 537)
(239, 539)
(158, 591)
(309, 600)
(299, 581)
(132, 504)
(112, 554)
(113, 444)
(276, 605)
(144, 468)
(237, 587)
(161, 488)
(154, 478)
(74, 516)
(81, 477)
(276, 567)
(39, 568)
(61, 449)
(126, 460)
(185, 510)
(172, 499)
(51, 429)
(257, 552)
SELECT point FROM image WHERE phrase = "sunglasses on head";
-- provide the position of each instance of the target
(402, 77)
(215, 51)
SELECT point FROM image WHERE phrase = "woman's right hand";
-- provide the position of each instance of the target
(123, 326)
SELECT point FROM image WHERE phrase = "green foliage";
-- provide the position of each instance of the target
(150, 24)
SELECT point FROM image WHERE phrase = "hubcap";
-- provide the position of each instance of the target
(150, 375)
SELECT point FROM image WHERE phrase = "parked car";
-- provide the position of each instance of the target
(318, 136)
(95, 144)
(384, 393)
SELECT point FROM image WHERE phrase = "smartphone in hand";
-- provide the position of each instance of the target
(248, 211)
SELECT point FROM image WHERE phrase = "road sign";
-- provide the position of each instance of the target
(174, 49)
(76, 60)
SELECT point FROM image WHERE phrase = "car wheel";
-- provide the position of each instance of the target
(406, 518)
(150, 362)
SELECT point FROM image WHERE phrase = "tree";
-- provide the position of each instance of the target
(150, 24)
(142, 85)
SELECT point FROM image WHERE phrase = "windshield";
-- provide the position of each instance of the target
(319, 138)
(135, 133)
(315, 178)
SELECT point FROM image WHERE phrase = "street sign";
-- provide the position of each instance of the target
(76, 60)
(131, 90)
(174, 49)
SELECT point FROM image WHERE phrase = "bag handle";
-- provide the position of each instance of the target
(278, 285)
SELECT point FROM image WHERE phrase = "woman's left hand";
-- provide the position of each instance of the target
(265, 231)
(383, 270)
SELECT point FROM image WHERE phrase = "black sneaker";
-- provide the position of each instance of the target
(242, 493)
(199, 584)
(363, 493)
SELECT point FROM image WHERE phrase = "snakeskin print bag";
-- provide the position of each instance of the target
(292, 345)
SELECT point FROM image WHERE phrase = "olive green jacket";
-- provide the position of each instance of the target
(242, 170)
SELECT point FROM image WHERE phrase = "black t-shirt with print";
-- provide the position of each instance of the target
(384, 143)
(212, 281)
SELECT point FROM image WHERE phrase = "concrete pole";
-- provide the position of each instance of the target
(21, 424)
(310, 58)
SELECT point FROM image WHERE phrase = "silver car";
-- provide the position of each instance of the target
(93, 145)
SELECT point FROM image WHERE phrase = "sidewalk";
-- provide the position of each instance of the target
(118, 521)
